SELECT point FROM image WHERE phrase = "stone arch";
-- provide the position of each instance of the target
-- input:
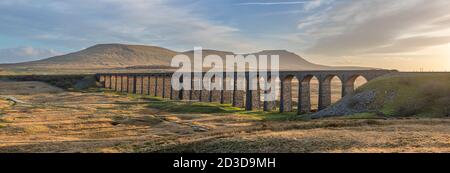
(167, 86)
(101, 79)
(295, 82)
(215, 93)
(113, 82)
(336, 84)
(268, 104)
(277, 88)
(262, 90)
(152, 85)
(305, 93)
(348, 86)
(186, 93)
(360, 81)
(139, 84)
(226, 93)
(118, 83)
(325, 91)
(206, 92)
(107, 81)
(256, 95)
(145, 84)
(239, 96)
(178, 94)
(131, 82)
(196, 87)
(159, 86)
(252, 90)
(125, 83)
(286, 93)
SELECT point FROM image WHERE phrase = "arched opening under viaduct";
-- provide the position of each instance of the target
(313, 83)
(351, 83)
(336, 89)
(359, 81)
(295, 92)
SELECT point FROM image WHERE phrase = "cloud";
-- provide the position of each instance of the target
(318, 29)
(80, 23)
(22, 54)
(316, 4)
(307, 7)
(412, 43)
(274, 3)
(379, 26)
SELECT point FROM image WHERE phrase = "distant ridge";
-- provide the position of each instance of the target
(108, 56)
(104, 56)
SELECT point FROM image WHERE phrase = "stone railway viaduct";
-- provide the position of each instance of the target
(159, 85)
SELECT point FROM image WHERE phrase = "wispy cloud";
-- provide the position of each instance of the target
(81, 23)
(321, 30)
(370, 33)
(274, 3)
(355, 28)
(27, 53)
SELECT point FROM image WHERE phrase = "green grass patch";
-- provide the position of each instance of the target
(271, 116)
(217, 108)
(426, 95)
(367, 115)
(210, 108)
(190, 107)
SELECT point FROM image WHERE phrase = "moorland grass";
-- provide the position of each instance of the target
(415, 95)
(195, 107)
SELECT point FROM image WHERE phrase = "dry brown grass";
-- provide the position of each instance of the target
(4, 104)
(50, 121)
(325, 136)
(26, 88)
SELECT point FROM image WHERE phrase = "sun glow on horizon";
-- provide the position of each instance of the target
(447, 58)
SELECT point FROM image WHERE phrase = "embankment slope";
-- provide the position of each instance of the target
(402, 95)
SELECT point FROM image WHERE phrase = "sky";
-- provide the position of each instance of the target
(408, 35)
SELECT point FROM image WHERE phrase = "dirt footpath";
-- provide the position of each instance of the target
(47, 119)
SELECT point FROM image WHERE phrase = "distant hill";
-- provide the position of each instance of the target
(104, 56)
(108, 56)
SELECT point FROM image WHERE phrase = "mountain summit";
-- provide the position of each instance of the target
(109, 56)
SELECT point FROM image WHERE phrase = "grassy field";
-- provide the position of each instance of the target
(418, 95)
(214, 108)
(48, 119)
